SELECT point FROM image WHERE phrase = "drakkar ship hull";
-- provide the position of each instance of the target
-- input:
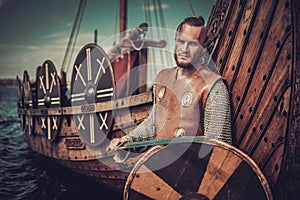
(255, 45)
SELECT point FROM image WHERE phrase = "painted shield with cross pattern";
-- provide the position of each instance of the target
(28, 103)
(92, 82)
(48, 96)
(201, 170)
(21, 102)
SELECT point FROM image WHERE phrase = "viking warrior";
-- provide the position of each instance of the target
(190, 99)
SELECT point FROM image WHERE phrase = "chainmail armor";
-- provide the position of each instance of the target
(217, 118)
(217, 113)
(146, 129)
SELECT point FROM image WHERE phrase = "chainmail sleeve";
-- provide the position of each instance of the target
(146, 129)
(217, 113)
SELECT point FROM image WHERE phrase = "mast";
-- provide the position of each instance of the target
(123, 18)
(95, 36)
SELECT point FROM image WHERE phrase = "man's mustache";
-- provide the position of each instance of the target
(187, 55)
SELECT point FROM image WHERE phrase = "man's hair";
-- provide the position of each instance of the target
(194, 21)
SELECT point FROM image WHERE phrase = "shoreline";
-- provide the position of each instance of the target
(8, 83)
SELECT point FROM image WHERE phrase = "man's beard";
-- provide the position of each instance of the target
(187, 65)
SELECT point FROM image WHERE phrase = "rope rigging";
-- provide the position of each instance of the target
(154, 11)
(163, 25)
(155, 6)
(149, 21)
(191, 8)
(116, 25)
(73, 36)
(158, 32)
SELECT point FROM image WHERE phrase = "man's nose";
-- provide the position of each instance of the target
(186, 47)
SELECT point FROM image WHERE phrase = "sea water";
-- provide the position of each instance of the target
(24, 174)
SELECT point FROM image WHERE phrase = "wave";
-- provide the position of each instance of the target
(9, 121)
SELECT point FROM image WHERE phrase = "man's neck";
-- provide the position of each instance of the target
(184, 72)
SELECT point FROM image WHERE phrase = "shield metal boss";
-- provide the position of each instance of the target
(92, 82)
(28, 103)
(201, 170)
(20, 102)
(48, 96)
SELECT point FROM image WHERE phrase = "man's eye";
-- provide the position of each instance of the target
(194, 44)
(180, 41)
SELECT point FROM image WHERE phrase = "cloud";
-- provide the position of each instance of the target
(15, 58)
(55, 35)
(151, 8)
(3, 2)
(17, 46)
(61, 38)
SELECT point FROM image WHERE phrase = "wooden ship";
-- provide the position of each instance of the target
(255, 45)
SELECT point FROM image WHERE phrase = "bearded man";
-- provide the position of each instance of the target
(190, 99)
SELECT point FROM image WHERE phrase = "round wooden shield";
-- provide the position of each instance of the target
(48, 96)
(92, 82)
(202, 170)
(20, 101)
(28, 102)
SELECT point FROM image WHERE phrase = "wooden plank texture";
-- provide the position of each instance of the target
(257, 55)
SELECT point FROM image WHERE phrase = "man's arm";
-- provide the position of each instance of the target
(217, 113)
(144, 131)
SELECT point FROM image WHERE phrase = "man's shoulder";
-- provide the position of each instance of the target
(166, 71)
(207, 75)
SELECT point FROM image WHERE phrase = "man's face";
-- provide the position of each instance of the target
(188, 50)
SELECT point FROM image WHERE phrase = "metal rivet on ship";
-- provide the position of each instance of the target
(187, 99)
(179, 132)
(161, 93)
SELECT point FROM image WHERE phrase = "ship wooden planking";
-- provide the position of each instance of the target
(255, 46)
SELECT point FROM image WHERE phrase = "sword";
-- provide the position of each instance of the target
(131, 145)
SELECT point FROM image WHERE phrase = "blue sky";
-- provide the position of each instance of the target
(33, 31)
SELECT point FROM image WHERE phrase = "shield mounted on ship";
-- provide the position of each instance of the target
(48, 97)
(92, 83)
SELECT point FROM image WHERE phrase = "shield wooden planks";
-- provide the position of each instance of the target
(28, 102)
(92, 82)
(48, 96)
(202, 170)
